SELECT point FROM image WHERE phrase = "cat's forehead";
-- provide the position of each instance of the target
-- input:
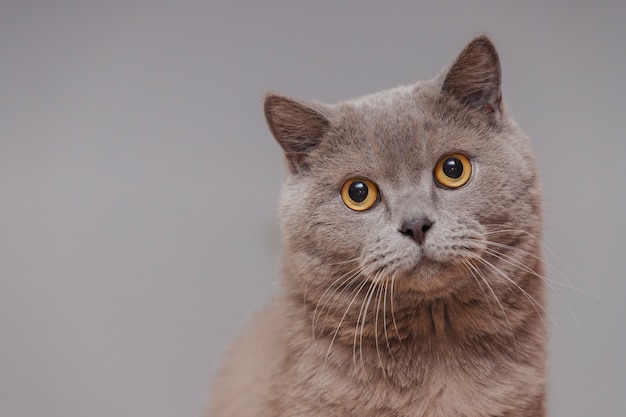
(397, 130)
(385, 99)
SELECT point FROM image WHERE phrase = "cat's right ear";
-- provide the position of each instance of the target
(297, 127)
(475, 77)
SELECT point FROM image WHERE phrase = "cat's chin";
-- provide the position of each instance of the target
(431, 277)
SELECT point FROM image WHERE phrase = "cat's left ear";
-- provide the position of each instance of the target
(298, 128)
(475, 77)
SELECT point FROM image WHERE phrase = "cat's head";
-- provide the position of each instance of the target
(417, 183)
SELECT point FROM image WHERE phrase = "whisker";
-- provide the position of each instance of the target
(518, 264)
(470, 268)
(538, 240)
(534, 302)
(547, 280)
(530, 254)
(342, 280)
(332, 341)
(580, 290)
(361, 321)
(506, 317)
(549, 265)
(379, 296)
(393, 314)
(391, 355)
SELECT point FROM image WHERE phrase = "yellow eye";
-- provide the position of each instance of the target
(359, 194)
(453, 171)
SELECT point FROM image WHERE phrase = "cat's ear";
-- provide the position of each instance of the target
(297, 127)
(475, 77)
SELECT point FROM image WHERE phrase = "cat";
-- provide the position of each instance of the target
(412, 274)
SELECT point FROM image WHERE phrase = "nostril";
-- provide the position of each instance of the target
(416, 228)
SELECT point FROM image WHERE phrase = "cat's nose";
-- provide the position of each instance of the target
(416, 228)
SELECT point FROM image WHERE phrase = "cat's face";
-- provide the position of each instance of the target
(416, 183)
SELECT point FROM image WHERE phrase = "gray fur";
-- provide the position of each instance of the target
(371, 323)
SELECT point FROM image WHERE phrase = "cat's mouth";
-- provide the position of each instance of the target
(429, 268)
(430, 275)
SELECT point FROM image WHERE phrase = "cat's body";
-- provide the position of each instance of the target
(412, 282)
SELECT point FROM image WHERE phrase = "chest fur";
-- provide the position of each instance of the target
(344, 383)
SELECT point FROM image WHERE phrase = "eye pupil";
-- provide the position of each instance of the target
(453, 168)
(358, 191)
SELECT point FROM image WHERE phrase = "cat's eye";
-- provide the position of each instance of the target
(359, 194)
(453, 171)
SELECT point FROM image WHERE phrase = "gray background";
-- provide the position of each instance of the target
(138, 181)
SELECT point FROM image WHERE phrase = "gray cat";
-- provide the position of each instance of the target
(412, 281)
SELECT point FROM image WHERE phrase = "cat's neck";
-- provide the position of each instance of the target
(382, 334)
(376, 315)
